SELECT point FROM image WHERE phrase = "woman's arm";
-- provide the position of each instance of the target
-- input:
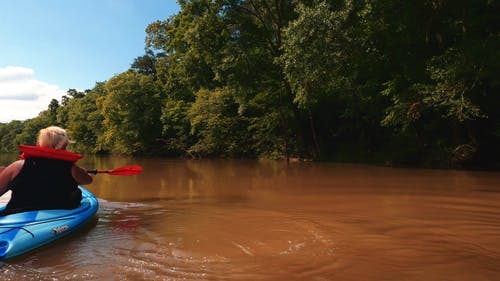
(80, 175)
(7, 174)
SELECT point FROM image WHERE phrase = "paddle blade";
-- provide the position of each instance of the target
(125, 171)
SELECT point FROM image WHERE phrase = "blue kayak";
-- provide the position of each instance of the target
(26, 231)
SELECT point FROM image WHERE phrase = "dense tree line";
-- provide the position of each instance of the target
(391, 81)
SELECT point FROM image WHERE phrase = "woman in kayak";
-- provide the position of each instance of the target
(45, 177)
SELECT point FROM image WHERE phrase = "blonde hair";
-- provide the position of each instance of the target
(54, 137)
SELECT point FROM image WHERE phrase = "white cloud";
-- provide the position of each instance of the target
(15, 73)
(23, 97)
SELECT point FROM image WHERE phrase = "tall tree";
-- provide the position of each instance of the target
(458, 45)
(188, 50)
(131, 110)
(145, 64)
(252, 67)
(215, 121)
(83, 120)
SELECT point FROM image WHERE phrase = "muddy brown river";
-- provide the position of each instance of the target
(264, 220)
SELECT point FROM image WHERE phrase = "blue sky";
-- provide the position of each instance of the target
(50, 46)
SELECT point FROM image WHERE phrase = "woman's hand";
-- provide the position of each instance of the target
(80, 175)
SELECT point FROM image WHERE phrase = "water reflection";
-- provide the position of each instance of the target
(263, 220)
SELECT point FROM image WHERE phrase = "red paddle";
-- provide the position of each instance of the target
(122, 171)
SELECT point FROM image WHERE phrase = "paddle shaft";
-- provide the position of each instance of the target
(95, 171)
(122, 171)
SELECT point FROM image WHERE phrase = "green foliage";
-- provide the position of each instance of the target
(8, 133)
(82, 119)
(332, 62)
(216, 124)
(393, 81)
(313, 52)
(454, 84)
(31, 127)
(176, 131)
(268, 131)
(186, 47)
(131, 110)
(145, 64)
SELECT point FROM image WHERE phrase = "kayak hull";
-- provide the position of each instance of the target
(26, 231)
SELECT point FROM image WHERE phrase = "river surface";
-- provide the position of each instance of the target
(265, 220)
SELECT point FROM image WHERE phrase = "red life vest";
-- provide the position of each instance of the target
(50, 153)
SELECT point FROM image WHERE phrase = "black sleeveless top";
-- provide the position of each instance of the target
(44, 184)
